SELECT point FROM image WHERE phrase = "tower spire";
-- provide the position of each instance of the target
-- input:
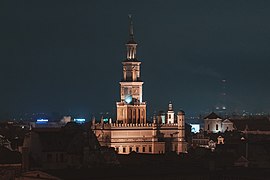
(131, 44)
(131, 32)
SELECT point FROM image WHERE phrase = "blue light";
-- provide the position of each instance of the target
(128, 99)
(42, 121)
(195, 128)
(79, 120)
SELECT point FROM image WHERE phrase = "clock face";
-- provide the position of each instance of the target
(128, 99)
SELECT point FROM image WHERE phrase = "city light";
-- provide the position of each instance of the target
(42, 121)
(79, 120)
(195, 128)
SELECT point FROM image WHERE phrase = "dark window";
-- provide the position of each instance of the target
(124, 149)
(216, 126)
(117, 149)
(169, 116)
(150, 149)
(143, 149)
(137, 149)
(49, 157)
(61, 157)
(130, 149)
(208, 127)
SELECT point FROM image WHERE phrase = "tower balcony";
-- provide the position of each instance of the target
(122, 103)
(130, 80)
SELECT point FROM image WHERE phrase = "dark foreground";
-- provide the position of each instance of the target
(142, 167)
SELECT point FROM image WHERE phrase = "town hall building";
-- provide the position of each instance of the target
(131, 132)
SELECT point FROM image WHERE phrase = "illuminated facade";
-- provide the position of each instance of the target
(131, 132)
(214, 124)
(131, 108)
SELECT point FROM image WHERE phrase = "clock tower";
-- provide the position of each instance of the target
(131, 108)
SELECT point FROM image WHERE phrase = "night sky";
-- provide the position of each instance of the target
(63, 56)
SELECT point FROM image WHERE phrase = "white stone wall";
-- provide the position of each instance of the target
(213, 125)
(227, 126)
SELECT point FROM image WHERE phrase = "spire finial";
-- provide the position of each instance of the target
(131, 27)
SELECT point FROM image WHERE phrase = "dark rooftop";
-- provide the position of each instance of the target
(213, 116)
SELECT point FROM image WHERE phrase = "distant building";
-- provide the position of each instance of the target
(252, 125)
(214, 124)
(227, 125)
(131, 132)
(220, 140)
(60, 148)
(200, 140)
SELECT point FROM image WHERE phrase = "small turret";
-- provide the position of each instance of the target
(170, 108)
(181, 147)
(170, 114)
(181, 118)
